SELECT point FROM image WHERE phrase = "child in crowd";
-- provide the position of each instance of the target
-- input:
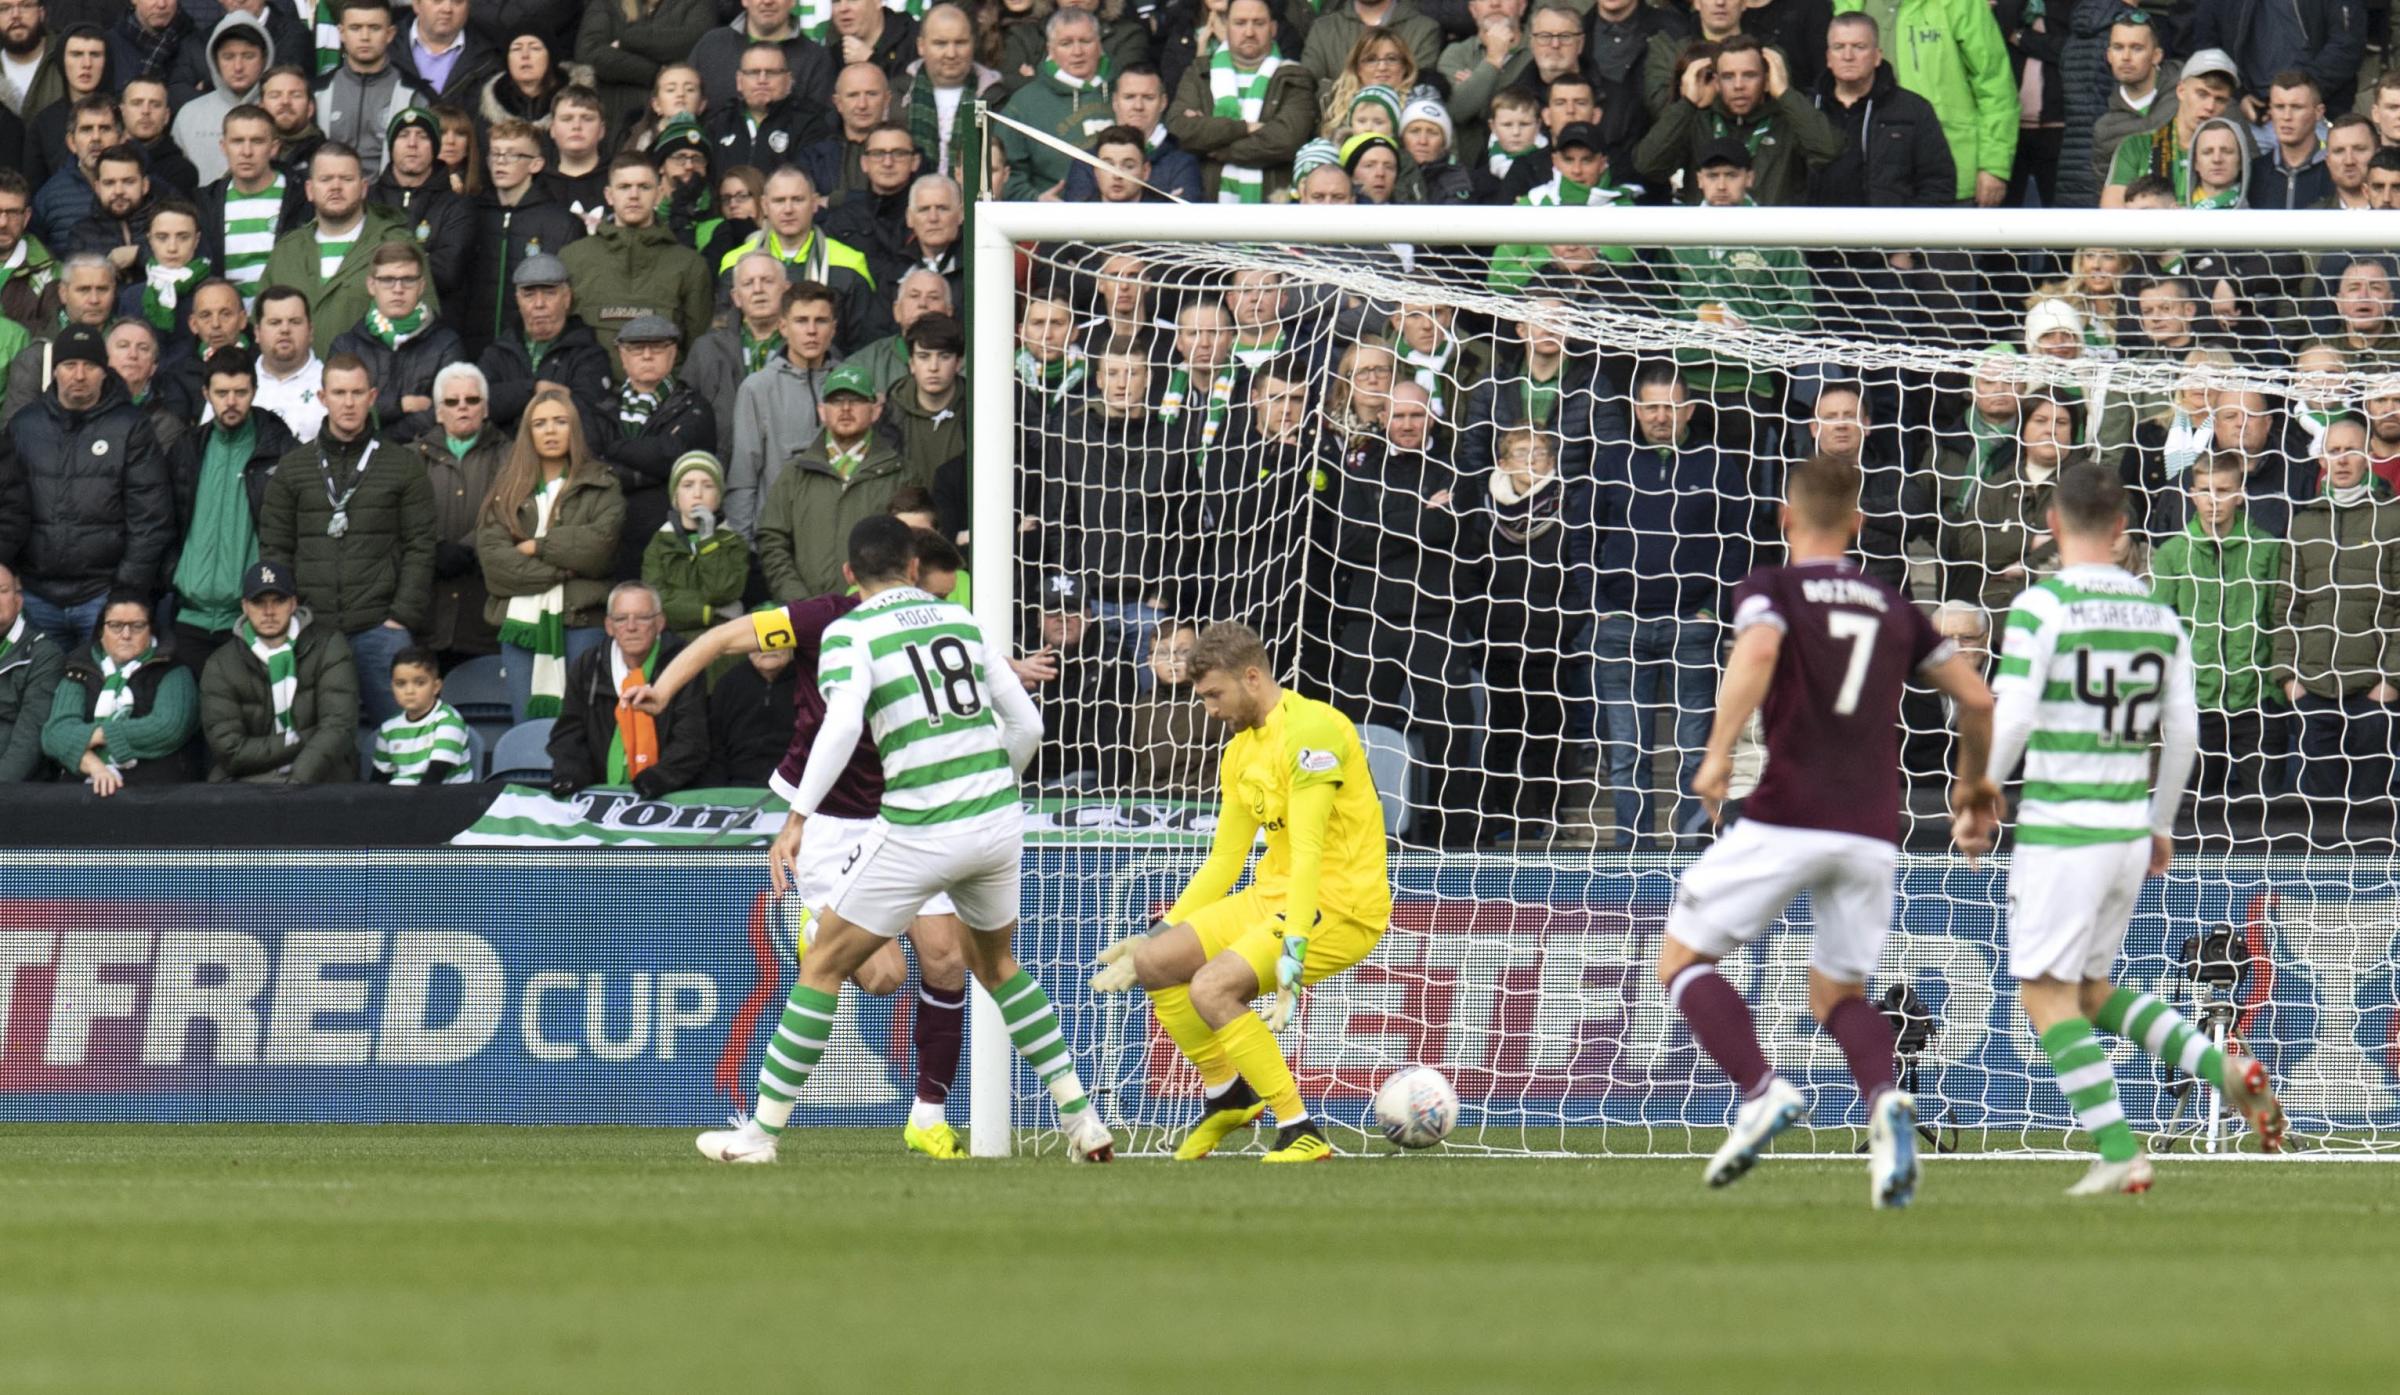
(2221, 574)
(171, 269)
(695, 563)
(426, 742)
(1516, 130)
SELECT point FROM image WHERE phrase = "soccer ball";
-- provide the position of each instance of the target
(1416, 1107)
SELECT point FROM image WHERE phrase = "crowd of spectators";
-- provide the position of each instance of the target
(345, 344)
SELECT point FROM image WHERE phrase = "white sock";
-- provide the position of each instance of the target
(1300, 1117)
(1218, 1092)
(925, 1114)
(773, 1114)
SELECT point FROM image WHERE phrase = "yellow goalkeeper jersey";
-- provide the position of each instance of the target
(1302, 777)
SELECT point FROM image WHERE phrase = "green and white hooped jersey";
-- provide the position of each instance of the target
(2105, 661)
(922, 663)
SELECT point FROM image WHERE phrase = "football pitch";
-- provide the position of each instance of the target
(210, 1258)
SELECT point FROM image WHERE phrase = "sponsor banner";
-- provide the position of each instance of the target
(504, 986)
(523, 817)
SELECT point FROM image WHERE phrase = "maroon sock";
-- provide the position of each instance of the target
(941, 1028)
(1865, 1036)
(1720, 1022)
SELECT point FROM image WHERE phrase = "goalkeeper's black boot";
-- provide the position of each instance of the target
(1238, 1108)
(1303, 1142)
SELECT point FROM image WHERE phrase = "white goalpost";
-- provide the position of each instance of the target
(1409, 446)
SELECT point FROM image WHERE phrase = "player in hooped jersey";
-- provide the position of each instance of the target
(808, 868)
(2092, 669)
(1823, 651)
(952, 730)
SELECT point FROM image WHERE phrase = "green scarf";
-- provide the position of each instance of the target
(758, 353)
(222, 541)
(395, 333)
(1432, 368)
(163, 289)
(1541, 397)
(329, 37)
(1095, 86)
(1239, 96)
(283, 675)
(845, 463)
(536, 348)
(114, 696)
(459, 448)
(1061, 377)
(635, 408)
(16, 632)
(537, 623)
(1220, 401)
(925, 128)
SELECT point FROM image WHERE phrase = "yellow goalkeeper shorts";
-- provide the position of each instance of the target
(1246, 925)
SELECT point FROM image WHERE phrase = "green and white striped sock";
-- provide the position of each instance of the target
(1033, 1026)
(2090, 1086)
(798, 1045)
(2164, 1033)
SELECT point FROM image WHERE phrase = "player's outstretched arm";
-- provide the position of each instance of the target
(1748, 675)
(837, 735)
(736, 636)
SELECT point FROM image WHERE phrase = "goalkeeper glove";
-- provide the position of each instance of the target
(1287, 980)
(1116, 963)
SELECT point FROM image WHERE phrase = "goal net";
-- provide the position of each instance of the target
(1483, 483)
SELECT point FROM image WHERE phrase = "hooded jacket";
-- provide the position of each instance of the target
(1894, 154)
(574, 360)
(774, 418)
(200, 122)
(460, 484)
(99, 499)
(46, 118)
(337, 303)
(381, 567)
(29, 674)
(804, 526)
(25, 287)
(194, 73)
(699, 580)
(622, 273)
(2120, 120)
(505, 235)
(237, 711)
(357, 108)
(2228, 591)
(576, 553)
(1951, 53)
(928, 440)
(1785, 134)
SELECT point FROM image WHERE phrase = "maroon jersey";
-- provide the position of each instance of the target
(1832, 714)
(858, 794)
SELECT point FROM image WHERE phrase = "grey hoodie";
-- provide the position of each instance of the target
(2120, 120)
(357, 108)
(774, 419)
(202, 120)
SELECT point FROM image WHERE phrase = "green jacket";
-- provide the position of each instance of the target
(338, 303)
(153, 736)
(1998, 531)
(1951, 53)
(13, 340)
(580, 550)
(381, 567)
(1767, 287)
(22, 287)
(28, 677)
(804, 526)
(2341, 599)
(699, 581)
(2225, 590)
(620, 273)
(1785, 135)
(928, 440)
(237, 712)
(1072, 116)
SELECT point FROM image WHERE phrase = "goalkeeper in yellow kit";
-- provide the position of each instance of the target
(1319, 902)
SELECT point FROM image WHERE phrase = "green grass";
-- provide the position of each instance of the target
(531, 1260)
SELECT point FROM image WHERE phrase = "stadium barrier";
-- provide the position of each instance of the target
(602, 987)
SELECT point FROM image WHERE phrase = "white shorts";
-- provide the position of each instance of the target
(897, 871)
(827, 845)
(2069, 908)
(1744, 883)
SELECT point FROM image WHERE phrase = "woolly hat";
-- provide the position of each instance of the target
(700, 460)
(418, 117)
(2048, 316)
(1381, 96)
(678, 132)
(1355, 148)
(1429, 110)
(1314, 155)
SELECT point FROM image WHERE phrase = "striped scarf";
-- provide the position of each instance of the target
(1432, 367)
(1094, 86)
(758, 353)
(114, 698)
(329, 37)
(1240, 96)
(163, 287)
(394, 333)
(538, 623)
(283, 675)
(925, 127)
(1061, 377)
(636, 408)
(1220, 399)
(16, 632)
(816, 19)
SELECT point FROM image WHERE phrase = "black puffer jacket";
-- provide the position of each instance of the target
(237, 712)
(575, 362)
(642, 456)
(403, 372)
(98, 499)
(1893, 156)
(381, 567)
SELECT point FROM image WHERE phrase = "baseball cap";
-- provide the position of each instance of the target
(267, 579)
(649, 329)
(1724, 152)
(2206, 61)
(1578, 133)
(1062, 591)
(80, 344)
(540, 269)
(852, 378)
